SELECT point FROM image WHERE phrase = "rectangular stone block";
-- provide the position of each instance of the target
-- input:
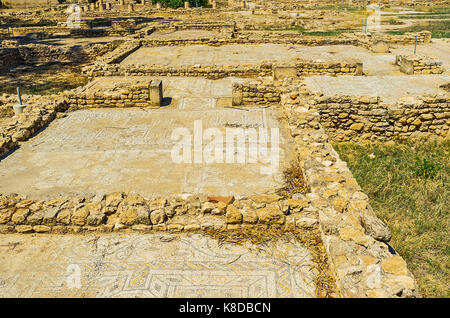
(155, 92)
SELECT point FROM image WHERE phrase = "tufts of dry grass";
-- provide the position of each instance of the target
(414, 205)
(294, 180)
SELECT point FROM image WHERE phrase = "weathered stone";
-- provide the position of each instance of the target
(227, 199)
(42, 228)
(20, 215)
(306, 223)
(5, 215)
(271, 215)
(95, 219)
(50, 216)
(64, 216)
(80, 215)
(35, 218)
(249, 215)
(394, 265)
(24, 228)
(265, 198)
(297, 205)
(234, 216)
(157, 216)
(207, 207)
(135, 199)
(350, 233)
(220, 208)
(339, 204)
(113, 199)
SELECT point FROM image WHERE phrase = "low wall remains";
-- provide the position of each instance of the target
(21, 127)
(418, 64)
(356, 241)
(355, 118)
(136, 95)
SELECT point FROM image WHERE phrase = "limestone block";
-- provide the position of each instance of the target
(155, 92)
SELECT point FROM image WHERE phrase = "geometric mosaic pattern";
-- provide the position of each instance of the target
(150, 265)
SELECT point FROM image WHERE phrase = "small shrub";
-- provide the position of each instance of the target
(426, 168)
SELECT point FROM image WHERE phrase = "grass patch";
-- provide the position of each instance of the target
(439, 29)
(408, 187)
(45, 88)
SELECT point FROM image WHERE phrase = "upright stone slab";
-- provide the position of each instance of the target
(214, 5)
(186, 4)
(155, 92)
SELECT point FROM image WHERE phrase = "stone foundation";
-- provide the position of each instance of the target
(417, 64)
(138, 95)
(352, 118)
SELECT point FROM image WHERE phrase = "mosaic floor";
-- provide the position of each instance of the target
(152, 265)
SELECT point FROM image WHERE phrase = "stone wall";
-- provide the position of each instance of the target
(11, 57)
(301, 68)
(356, 241)
(208, 71)
(367, 118)
(417, 64)
(120, 211)
(21, 127)
(252, 38)
(121, 50)
(136, 95)
(254, 93)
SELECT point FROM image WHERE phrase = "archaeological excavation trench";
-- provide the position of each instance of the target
(197, 162)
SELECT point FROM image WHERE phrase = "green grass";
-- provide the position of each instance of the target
(45, 88)
(439, 29)
(409, 188)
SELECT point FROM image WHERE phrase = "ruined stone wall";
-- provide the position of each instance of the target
(208, 71)
(119, 211)
(357, 118)
(41, 53)
(302, 68)
(21, 127)
(133, 96)
(254, 93)
(356, 241)
(121, 50)
(251, 38)
(417, 64)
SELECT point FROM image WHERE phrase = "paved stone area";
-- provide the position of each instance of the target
(236, 54)
(151, 265)
(390, 88)
(107, 150)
